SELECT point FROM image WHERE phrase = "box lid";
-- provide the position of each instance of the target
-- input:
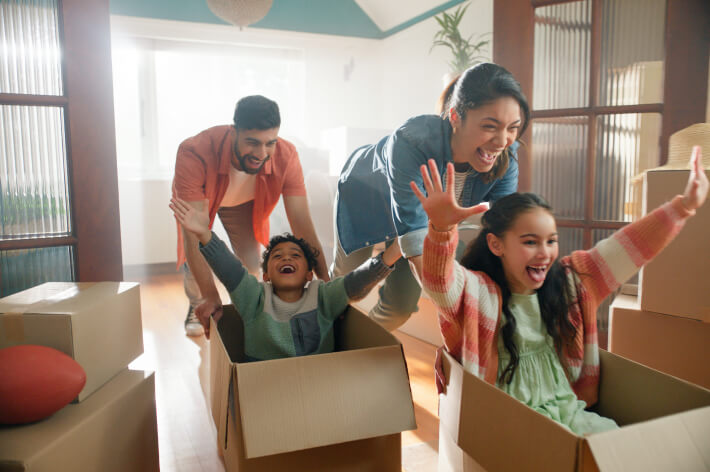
(61, 297)
(39, 297)
(311, 401)
(677, 442)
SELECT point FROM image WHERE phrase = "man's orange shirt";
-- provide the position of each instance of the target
(202, 171)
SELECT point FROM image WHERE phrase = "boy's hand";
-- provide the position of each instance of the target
(439, 203)
(392, 253)
(193, 220)
(697, 189)
(205, 310)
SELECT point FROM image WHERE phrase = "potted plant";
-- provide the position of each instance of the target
(466, 51)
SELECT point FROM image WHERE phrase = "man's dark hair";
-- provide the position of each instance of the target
(310, 252)
(256, 112)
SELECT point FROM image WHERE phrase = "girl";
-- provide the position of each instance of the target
(516, 317)
(487, 114)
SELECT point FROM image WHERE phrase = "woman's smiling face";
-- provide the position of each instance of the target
(479, 137)
(527, 250)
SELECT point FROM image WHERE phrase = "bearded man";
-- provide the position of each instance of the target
(239, 171)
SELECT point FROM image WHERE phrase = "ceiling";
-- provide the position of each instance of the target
(375, 19)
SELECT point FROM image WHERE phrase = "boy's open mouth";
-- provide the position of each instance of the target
(287, 269)
(537, 273)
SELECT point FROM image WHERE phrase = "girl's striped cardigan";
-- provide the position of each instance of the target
(469, 303)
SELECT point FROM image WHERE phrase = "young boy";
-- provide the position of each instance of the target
(282, 316)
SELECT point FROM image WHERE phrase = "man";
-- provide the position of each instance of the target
(239, 171)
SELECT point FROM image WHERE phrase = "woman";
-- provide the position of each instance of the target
(485, 115)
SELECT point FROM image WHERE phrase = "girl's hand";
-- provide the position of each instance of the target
(439, 203)
(193, 220)
(697, 189)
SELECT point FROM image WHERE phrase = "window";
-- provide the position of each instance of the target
(58, 189)
(166, 91)
(609, 81)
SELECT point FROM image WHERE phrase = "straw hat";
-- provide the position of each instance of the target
(681, 144)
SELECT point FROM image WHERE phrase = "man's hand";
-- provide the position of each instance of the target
(205, 310)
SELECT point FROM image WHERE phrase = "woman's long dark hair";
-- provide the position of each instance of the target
(554, 296)
(478, 86)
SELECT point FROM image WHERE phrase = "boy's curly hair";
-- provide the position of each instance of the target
(309, 251)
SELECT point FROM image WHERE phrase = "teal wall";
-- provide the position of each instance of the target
(337, 17)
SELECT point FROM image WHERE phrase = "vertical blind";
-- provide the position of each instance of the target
(34, 185)
(30, 57)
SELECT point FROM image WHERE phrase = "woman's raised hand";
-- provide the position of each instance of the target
(194, 220)
(697, 189)
(440, 203)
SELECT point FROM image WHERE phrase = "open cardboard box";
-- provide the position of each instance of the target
(341, 411)
(665, 425)
(672, 344)
(676, 281)
(97, 324)
(114, 430)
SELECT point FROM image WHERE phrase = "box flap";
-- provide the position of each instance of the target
(492, 424)
(678, 442)
(450, 399)
(356, 330)
(311, 401)
(221, 368)
(630, 392)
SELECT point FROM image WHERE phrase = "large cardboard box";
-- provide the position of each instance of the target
(665, 425)
(674, 345)
(341, 411)
(97, 324)
(676, 282)
(114, 430)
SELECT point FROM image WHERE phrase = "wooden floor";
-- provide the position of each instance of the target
(186, 433)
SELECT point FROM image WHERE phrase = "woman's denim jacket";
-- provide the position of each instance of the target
(374, 201)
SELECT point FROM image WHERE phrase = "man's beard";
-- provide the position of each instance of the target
(242, 162)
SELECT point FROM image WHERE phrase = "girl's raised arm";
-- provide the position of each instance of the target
(443, 279)
(615, 259)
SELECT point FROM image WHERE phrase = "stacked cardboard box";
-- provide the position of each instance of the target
(111, 425)
(667, 326)
(338, 411)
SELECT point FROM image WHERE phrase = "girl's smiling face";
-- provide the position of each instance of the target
(527, 250)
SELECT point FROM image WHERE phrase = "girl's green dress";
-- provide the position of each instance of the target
(540, 380)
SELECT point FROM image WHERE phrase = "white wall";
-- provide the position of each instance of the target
(350, 82)
(413, 78)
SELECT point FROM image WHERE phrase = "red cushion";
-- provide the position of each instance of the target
(36, 381)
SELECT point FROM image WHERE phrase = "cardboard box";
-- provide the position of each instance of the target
(676, 282)
(97, 324)
(113, 430)
(665, 425)
(341, 411)
(674, 345)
